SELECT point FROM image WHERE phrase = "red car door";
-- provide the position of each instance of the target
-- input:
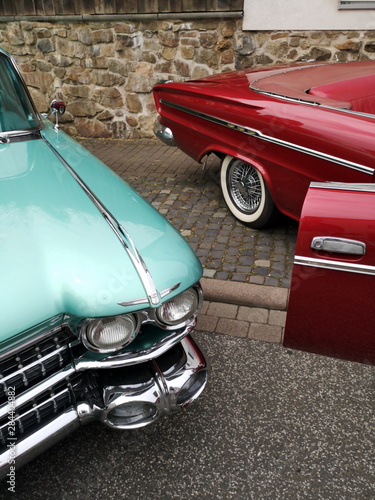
(331, 305)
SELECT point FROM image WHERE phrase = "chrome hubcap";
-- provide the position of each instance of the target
(244, 186)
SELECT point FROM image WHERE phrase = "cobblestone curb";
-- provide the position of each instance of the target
(243, 310)
(245, 294)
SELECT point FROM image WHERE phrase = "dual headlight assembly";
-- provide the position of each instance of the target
(115, 332)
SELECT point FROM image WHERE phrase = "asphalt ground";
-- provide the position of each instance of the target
(247, 272)
(272, 424)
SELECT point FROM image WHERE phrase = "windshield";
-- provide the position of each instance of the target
(16, 109)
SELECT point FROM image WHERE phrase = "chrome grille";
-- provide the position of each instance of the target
(44, 383)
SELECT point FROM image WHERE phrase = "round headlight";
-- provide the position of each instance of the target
(112, 333)
(178, 309)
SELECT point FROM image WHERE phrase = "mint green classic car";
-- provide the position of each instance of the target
(98, 292)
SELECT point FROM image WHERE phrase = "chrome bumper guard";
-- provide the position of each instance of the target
(121, 395)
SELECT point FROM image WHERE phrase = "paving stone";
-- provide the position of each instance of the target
(266, 333)
(209, 273)
(262, 263)
(277, 318)
(271, 281)
(232, 327)
(239, 277)
(207, 323)
(215, 264)
(257, 280)
(261, 271)
(222, 310)
(253, 314)
(204, 307)
(221, 275)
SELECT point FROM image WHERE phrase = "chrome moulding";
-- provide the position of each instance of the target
(153, 295)
(258, 134)
(57, 388)
(334, 265)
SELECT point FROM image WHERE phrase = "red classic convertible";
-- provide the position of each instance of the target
(276, 129)
(299, 139)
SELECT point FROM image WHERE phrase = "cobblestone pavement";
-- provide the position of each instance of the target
(190, 198)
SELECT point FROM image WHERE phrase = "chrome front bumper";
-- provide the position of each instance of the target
(165, 134)
(120, 395)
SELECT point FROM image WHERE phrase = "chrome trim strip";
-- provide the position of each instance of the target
(348, 267)
(36, 408)
(22, 370)
(305, 101)
(259, 135)
(34, 391)
(19, 135)
(135, 302)
(153, 296)
(41, 440)
(143, 300)
(36, 336)
(348, 111)
(169, 290)
(344, 186)
(286, 98)
(312, 103)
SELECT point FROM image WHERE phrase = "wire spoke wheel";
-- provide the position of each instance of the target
(246, 193)
(244, 186)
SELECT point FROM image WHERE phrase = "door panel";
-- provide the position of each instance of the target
(331, 305)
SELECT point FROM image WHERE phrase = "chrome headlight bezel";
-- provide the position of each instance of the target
(144, 317)
(190, 314)
(87, 332)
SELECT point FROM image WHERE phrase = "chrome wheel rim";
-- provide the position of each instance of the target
(244, 186)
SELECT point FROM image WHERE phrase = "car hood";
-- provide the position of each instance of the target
(58, 254)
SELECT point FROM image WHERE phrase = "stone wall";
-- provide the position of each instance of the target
(105, 71)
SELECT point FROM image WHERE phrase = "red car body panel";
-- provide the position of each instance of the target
(289, 141)
(331, 306)
(297, 125)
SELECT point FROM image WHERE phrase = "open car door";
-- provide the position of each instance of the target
(331, 305)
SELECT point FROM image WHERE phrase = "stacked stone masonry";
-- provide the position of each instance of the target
(105, 71)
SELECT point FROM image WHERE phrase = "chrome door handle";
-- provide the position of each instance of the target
(338, 245)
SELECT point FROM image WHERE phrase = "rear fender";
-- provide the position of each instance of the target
(222, 152)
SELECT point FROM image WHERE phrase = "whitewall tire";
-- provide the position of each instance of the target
(246, 193)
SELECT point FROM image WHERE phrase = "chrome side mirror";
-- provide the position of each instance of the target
(57, 107)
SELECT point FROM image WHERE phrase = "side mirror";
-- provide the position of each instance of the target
(57, 108)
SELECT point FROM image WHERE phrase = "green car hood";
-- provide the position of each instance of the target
(58, 254)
